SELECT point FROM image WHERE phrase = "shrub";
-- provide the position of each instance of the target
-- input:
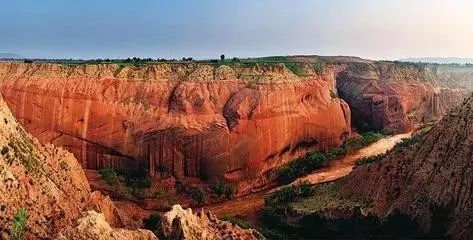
(277, 203)
(159, 194)
(197, 195)
(179, 187)
(297, 168)
(218, 188)
(319, 67)
(230, 192)
(136, 178)
(314, 160)
(369, 160)
(109, 175)
(151, 223)
(19, 223)
(370, 137)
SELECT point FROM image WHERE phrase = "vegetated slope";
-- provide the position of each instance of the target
(430, 181)
(190, 120)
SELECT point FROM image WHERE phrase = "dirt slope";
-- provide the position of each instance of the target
(45, 181)
(434, 176)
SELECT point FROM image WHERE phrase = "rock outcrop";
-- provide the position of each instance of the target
(430, 181)
(182, 224)
(95, 227)
(190, 120)
(46, 182)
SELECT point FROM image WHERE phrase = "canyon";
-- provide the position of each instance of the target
(239, 123)
(420, 189)
(235, 123)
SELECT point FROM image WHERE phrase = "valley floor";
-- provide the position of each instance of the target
(249, 207)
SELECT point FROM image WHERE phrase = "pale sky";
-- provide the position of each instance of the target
(377, 29)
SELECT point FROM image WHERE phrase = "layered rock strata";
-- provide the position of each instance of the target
(189, 120)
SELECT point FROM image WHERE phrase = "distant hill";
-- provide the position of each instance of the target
(448, 60)
(9, 56)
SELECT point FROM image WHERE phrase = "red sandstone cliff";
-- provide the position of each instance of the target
(190, 120)
(50, 187)
(393, 96)
(396, 96)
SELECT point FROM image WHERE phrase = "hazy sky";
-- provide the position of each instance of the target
(379, 29)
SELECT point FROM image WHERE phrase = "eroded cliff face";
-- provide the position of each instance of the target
(189, 120)
(396, 96)
(430, 181)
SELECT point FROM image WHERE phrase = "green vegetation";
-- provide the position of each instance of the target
(403, 144)
(319, 67)
(151, 223)
(23, 149)
(222, 189)
(109, 175)
(277, 204)
(159, 194)
(137, 178)
(314, 160)
(239, 222)
(294, 66)
(197, 194)
(179, 187)
(19, 224)
(328, 196)
(369, 160)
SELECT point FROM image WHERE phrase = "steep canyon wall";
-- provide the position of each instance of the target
(190, 120)
(399, 96)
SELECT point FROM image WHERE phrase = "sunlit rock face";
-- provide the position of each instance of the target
(397, 96)
(189, 120)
